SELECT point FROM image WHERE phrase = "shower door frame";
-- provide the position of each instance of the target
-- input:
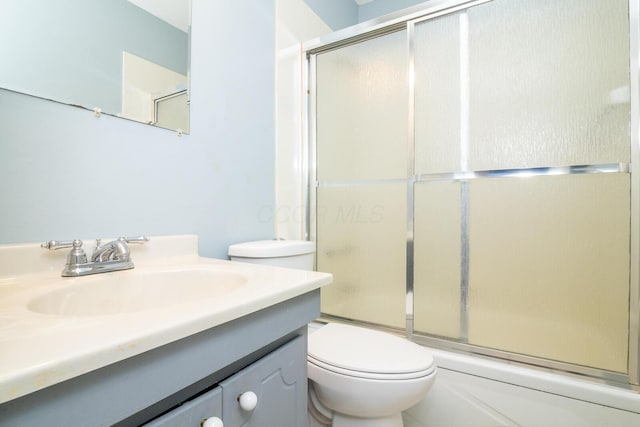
(406, 20)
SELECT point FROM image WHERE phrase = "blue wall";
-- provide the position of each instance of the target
(337, 14)
(379, 8)
(65, 174)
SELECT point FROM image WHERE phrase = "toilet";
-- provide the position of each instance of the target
(358, 377)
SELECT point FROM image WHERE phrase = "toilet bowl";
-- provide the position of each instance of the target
(364, 378)
(358, 377)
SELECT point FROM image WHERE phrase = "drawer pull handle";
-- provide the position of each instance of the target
(211, 422)
(248, 401)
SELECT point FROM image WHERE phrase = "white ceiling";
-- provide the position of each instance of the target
(175, 12)
(361, 2)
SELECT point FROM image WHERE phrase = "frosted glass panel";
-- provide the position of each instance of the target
(503, 85)
(549, 267)
(437, 95)
(362, 107)
(549, 83)
(437, 259)
(362, 241)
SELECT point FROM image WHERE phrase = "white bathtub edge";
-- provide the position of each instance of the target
(548, 382)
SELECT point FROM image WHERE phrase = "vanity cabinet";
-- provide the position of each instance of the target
(192, 412)
(277, 382)
(191, 378)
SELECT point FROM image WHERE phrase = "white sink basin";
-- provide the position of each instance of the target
(136, 290)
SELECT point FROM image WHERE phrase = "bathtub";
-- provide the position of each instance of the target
(472, 391)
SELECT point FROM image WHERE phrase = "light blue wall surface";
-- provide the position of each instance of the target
(65, 174)
(337, 14)
(379, 8)
(71, 50)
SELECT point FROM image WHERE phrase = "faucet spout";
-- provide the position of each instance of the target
(112, 251)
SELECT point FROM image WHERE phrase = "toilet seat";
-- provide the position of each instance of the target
(369, 375)
(365, 353)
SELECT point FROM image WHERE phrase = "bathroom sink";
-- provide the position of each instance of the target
(135, 290)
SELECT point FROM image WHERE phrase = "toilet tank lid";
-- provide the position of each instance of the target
(271, 248)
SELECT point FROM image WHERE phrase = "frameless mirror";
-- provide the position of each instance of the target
(128, 58)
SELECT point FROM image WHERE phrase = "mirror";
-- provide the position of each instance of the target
(129, 58)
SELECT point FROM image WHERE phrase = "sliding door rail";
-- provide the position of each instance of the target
(386, 24)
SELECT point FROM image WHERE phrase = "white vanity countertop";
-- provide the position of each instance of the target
(38, 350)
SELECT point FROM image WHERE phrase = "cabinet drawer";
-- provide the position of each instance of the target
(279, 381)
(192, 412)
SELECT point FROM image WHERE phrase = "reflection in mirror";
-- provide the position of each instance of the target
(110, 54)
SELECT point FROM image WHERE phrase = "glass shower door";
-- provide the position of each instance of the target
(473, 181)
(361, 163)
(440, 145)
(549, 253)
(522, 209)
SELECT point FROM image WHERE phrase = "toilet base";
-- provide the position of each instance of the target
(320, 416)
(340, 420)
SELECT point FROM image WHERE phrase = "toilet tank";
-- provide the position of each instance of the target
(296, 254)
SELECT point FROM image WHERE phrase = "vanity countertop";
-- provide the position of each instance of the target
(38, 350)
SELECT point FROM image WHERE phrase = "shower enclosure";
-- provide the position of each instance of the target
(471, 181)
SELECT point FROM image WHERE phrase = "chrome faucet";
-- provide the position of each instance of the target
(112, 256)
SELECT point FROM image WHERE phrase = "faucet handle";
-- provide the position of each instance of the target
(53, 245)
(76, 256)
(137, 239)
